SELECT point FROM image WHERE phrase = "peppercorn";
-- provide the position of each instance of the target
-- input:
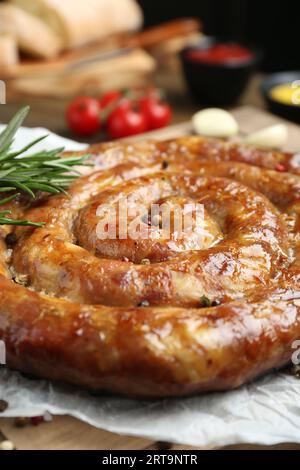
(21, 422)
(36, 420)
(205, 302)
(3, 406)
(11, 239)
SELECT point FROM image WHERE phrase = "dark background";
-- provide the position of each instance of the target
(272, 24)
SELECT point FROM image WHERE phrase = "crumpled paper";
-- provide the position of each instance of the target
(265, 412)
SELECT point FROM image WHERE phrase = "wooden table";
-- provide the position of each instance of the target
(66, 432)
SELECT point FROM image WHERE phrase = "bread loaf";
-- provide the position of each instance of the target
(126, 71)
(8, 51)
(78, 22)
(31, 34)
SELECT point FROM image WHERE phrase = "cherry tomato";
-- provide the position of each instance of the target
(125, 121)
(109, 98)
(157, 113)
(83, 116)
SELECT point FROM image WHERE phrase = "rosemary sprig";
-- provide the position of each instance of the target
(45, 171)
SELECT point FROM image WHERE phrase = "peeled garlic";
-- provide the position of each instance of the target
(6, 445)
(215, 122)
(271, 137)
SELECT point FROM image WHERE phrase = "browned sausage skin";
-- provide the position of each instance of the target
(94, 315)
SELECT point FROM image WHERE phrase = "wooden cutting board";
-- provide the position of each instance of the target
(67, 433)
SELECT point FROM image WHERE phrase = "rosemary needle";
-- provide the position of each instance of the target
(44, 171)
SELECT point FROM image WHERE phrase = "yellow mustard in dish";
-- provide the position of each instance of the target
(287, 93)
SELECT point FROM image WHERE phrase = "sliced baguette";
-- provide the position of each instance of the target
(132, 69)
(8, 51)
(126, 71)
(31, 34)
(79, 22)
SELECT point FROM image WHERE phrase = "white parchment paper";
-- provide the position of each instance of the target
(266, 411)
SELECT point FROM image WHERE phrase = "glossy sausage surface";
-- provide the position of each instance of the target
(203, 313)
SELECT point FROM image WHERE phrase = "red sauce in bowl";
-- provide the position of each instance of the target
(221, 54)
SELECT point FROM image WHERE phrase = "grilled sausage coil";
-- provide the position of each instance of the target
(202, 314)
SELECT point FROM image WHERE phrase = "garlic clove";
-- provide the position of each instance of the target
(270, 137)
(215, 122)
(6, 445)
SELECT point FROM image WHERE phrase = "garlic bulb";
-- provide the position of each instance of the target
(215, 122)
(271, 137)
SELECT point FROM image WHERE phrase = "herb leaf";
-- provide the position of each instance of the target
(45, 171)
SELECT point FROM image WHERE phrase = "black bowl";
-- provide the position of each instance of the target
(217, 84)
(287, 111)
